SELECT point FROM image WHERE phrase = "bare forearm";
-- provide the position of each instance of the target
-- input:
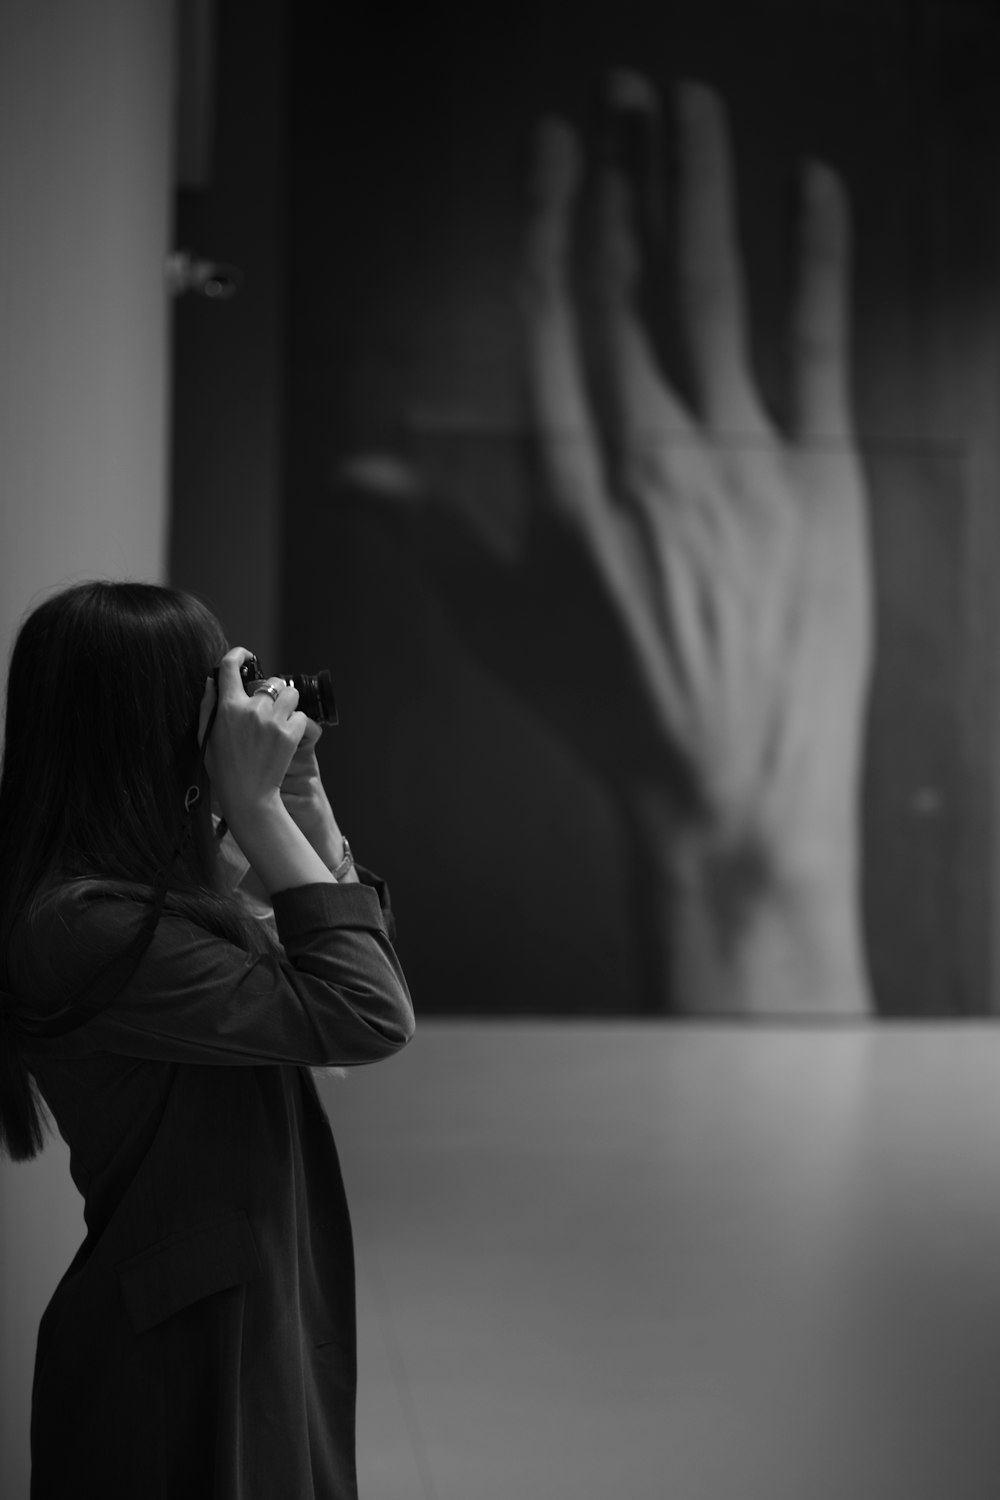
(280, 855)
(329, 845)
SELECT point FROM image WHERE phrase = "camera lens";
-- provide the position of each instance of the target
(315, 689)
(316, 698)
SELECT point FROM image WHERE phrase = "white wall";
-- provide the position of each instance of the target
(85, 172)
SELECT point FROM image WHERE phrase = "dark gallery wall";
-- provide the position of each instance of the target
(384, 202)
(227, 352)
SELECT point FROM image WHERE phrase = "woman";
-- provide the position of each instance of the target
(202, 1343)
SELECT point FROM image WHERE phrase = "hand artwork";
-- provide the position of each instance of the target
(736, 559)
(724, 566)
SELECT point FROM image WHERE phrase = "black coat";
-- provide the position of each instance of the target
(202, 1343)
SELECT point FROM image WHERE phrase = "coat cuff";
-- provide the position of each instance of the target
(308, 909)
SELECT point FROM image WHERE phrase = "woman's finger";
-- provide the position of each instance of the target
(296, 726)
(312, 734)
(282, 694)
(231, 686)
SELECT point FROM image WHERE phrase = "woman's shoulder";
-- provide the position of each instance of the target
(71, 927)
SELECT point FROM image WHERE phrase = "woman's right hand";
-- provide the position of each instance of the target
(252, 740)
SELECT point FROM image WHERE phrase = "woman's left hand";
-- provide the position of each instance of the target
(305, 799)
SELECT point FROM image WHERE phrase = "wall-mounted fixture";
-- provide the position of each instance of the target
(187, 272)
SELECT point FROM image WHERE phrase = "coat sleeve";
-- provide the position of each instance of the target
(333, 993)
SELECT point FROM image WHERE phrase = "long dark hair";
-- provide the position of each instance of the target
(100, 745)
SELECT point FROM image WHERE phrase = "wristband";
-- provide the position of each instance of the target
(347, 863)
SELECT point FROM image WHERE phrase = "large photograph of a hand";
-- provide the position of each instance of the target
(734, 558)
(660, 527)
(725, 563)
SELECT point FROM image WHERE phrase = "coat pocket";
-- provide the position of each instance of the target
(187, 1266)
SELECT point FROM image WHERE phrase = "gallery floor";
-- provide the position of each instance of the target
(677, 1262)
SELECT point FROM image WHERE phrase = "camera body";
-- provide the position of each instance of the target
(315, 689)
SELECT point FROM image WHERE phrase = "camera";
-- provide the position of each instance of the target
(315, 689)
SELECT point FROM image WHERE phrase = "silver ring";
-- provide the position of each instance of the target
(268, 688)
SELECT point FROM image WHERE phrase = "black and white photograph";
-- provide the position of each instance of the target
(500, 787)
